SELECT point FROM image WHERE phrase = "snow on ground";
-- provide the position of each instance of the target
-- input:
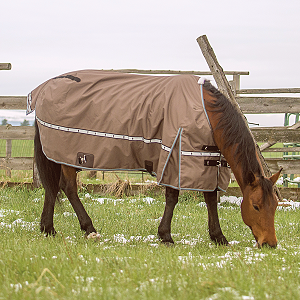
(231, 199)
(283, 204)
(288, 204)
(147, 200)
(19, 221)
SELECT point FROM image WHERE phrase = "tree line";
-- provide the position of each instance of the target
(24, 123)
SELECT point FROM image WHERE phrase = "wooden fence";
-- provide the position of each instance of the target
(251, 101)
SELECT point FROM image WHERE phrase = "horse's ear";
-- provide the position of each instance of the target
(251, 178)
(275, 177)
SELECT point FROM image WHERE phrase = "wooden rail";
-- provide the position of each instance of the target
(5, 66)
(13, 102)
(8, 132)
(270, 91)
(176, 72)
(249, 105)
(269, 105)
(261, 134)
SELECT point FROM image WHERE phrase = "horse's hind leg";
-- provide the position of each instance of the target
(69, 186)
(164, 229)
(46, 224)
(214, 228)
(49, 173)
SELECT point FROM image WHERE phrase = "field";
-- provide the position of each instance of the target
(128, 262)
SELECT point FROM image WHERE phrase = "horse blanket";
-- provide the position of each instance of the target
(104, 120)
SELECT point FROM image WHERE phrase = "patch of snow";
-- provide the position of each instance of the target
(148, 200)
(5, 212)
(288, 205)
(150, 238)
(285, 204)
(233, 242)
(107, 200)
(68, 214)
(119, 238)
(231, 199)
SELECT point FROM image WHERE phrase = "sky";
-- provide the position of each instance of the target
(43, 39)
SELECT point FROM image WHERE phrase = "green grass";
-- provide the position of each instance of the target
(20, 148)
(129, 262)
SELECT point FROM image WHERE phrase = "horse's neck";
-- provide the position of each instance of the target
(229, 152)
(236, 168)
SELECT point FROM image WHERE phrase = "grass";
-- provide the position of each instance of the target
(129, 262)
(19, 148)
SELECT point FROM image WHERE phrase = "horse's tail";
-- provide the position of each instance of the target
(49, 171)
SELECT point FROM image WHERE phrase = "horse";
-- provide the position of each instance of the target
(235, 143)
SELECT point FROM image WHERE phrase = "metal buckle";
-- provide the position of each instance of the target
(82, 160)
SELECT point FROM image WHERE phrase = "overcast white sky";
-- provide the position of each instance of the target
(43, 39)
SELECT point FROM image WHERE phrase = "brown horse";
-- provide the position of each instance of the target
(236, 144)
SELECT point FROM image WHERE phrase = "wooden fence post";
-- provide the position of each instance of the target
(8, 156)
(225, 88)
(7, 66)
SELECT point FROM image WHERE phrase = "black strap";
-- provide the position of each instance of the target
(216, 163)
(210, 148)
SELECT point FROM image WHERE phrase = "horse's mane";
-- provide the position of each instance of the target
(236, 133)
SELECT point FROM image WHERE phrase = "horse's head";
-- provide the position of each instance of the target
(258, 208)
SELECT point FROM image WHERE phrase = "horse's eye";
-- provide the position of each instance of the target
(256, 207)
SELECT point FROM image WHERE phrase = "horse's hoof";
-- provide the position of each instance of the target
(166, 240)
(94, 236)
(222, 241)
(48, 232)
(168, 244)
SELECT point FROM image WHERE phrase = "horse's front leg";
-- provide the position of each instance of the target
(46, 224)
(164, 229)
(214, 228)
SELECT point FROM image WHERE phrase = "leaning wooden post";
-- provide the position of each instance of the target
(224, 88)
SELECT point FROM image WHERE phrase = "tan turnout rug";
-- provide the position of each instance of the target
(103, 120)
